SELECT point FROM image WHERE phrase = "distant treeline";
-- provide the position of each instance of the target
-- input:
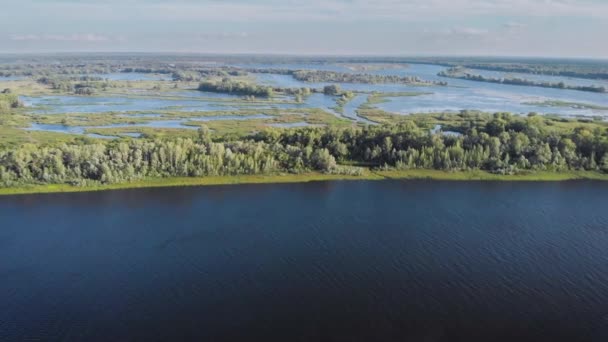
(460, 74)
(550, 70)
(147, 70)
(40, 65)
(53, 70)
(589, 69)
(500, 143)
(278, 71)
(345, 77)
(229, 86)
(80, 85)
(179, 72)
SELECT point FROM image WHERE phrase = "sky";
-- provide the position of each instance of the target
(546, 28)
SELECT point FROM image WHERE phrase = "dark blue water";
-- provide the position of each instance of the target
(334, 261)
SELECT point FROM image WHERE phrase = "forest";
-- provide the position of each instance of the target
(501, 144)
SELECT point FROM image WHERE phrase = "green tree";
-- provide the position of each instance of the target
(332, 89)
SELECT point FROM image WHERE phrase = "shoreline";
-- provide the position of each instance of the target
(414, 174)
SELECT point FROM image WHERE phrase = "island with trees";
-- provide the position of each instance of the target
(229, 86)
(83, 129)
(317, 76)
(488, 146)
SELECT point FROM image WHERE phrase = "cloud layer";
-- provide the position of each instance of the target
(513, 27)
(87, 37)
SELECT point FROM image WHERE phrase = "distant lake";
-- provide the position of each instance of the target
(12, 78)
(324, 261)
(461, 94)
(458, 95)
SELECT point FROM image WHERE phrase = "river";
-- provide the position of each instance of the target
(324, 261)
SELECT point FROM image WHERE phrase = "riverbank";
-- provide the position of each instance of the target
(310, 177)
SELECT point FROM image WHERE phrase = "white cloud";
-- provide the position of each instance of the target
(87, 37)
(222, 35)
(324, 26)
(514, 25)
(24, 37)
(275, 10)
(467, 31)
(290, 10)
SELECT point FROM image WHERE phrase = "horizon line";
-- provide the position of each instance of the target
(290, 54)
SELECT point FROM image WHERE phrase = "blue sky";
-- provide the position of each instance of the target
(560, 28)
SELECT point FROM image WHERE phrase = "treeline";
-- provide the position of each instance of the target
(229, 86)
(51, 70)
(588, 69)
(180, 72)
(459, 74)
(580, 71)
(79, 85)
(345, 77)
(129, 160)
(278, 71)
(147, 70)
(502, 144)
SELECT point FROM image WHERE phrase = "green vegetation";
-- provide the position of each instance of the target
(8, 101)
(342, 101)
(460, 73)
(309, 177)
(500, 144)
(240, 149)
(79, 85)
(229, 86)
(480, 175)
(332, 90)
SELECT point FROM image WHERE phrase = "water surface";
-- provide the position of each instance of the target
(328, 261)
(461, 94)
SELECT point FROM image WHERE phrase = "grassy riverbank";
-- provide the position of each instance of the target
(309, 177)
